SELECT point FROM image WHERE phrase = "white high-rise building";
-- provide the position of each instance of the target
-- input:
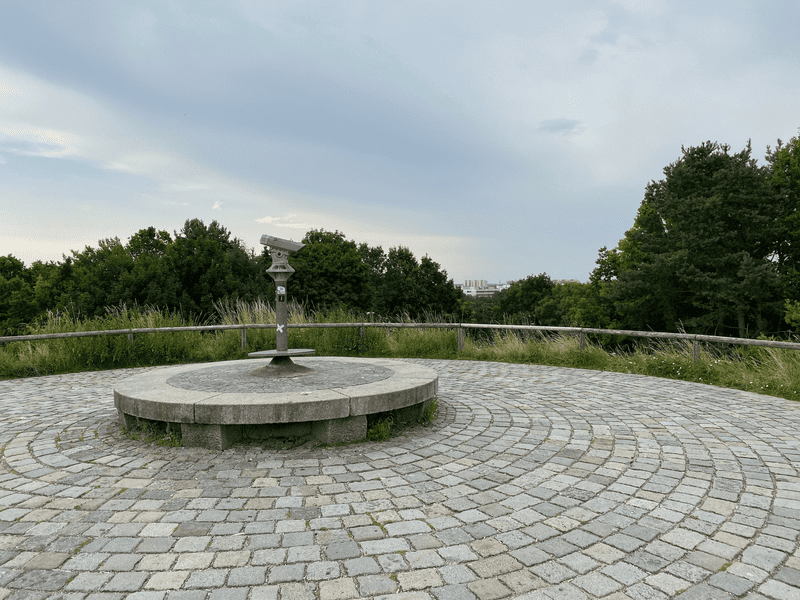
(481, 287)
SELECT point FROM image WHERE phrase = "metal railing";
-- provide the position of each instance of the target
(696, 339)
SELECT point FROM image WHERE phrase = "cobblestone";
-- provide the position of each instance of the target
(535, 483)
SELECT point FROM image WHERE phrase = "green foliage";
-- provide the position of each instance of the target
(537, 301)
(16, 293)
(339, 341)
(380, 431)
(202, 265)
(792, 313)
(31, 358)
(160, 433)
(431, 412)
(210, 265)
(186, 274)
(413, 288)
(23, 359)
(329, 273)
(770, 371)
(151, 281)
(536, 348)
(481, 309)
(332, 272)
(386, 425)
(701, 252)
(421, 343)
(522, 299)
(784, 164)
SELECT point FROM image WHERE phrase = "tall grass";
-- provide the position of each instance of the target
(771, 371)
(764, 370)
(42, 357)
(339, 341)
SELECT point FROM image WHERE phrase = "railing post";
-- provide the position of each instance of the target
(582, 337)
(460, 339)
(695, 350)
(244, 338)
(130, 339)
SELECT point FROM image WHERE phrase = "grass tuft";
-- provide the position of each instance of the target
(381, 430)
(160, 433)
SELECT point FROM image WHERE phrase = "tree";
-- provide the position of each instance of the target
(702, 249)
(438, 294)
(398, 292)
(478, 309)
(570, 304)
(203, 264)
(93, 279)
(17, 302)
(416, 289)
(375, 260)
(520, 299)
(329, 273)
(151, 281)
(784, 178)
(210, 265)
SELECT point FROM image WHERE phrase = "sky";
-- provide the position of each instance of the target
(502, 139)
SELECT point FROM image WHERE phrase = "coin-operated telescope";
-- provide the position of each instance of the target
(280, 271)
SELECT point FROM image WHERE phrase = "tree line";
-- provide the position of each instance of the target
(189, 271)
(714, 248)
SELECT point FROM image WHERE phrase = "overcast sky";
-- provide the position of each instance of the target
(503, 139)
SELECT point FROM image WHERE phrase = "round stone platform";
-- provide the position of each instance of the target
(324, 399)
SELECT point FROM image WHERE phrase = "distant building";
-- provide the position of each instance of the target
(478, 288)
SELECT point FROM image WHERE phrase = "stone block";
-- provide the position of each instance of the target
(250, 408)
(414, 413)
(488, 589)
(214, 436)
(337, 431)
(338, 589)
(128, 422)
(372, 585)
(419, 579)
(391, 394)
(265, 431)
(147, 395)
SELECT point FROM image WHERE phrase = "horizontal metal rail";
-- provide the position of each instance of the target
(696, 339)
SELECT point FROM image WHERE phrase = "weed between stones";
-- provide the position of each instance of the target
(158, 432)
(384, 426)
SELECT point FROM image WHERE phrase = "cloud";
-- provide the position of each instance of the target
(285, 221)
(188, 187)
(48, 246)
(216, 206)
(29, 140)
(43, 119)
(562, 126)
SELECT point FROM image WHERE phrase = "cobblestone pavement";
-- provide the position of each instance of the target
(535, 483)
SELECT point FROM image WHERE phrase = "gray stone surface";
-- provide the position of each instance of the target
(534, 482)
(241, 377)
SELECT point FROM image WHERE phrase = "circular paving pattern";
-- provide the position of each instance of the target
(534, 482)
